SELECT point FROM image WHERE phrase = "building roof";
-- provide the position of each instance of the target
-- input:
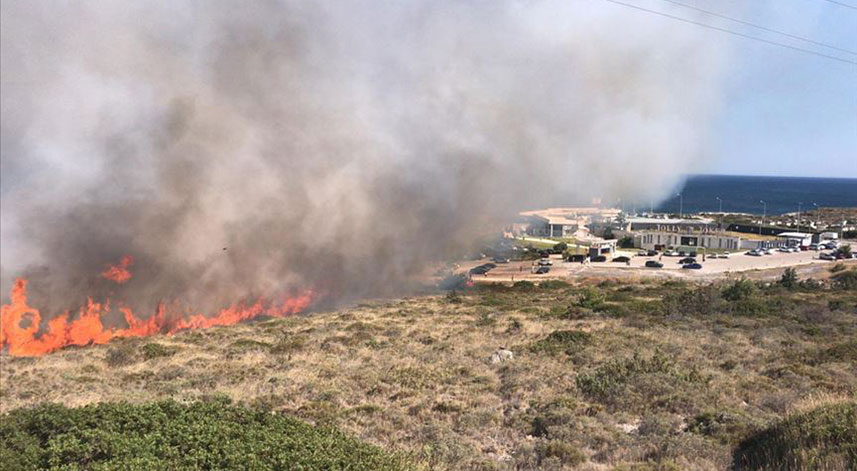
(559, 220)
(794, 235)
(668, 221)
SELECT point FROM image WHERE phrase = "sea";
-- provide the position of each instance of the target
(744, 194)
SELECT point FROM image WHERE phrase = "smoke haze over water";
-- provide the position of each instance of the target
(328, 144)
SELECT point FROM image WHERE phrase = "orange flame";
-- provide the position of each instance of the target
(19, 322)
(119, 273)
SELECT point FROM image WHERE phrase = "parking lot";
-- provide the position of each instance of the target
(711, 267)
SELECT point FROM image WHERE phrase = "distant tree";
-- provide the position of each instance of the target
(789, 279)
(608, 233)
(626, 242)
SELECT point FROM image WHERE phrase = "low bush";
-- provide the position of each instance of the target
(567, 341)
(171, 436)
(845, 280)
(120, 355)
(591, 298)
(155, 350)
(824, 438)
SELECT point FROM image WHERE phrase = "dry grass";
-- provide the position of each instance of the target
(639, 390)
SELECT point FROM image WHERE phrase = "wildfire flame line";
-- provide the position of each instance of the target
(87, 328)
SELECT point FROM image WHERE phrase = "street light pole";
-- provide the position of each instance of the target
(764, 214)
(816, 215)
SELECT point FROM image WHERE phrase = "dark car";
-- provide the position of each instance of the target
(692, 266)
(576, 258)
(682, 253)
(542, 270)
(687, 260)
(692, 253)
(652, 253)
(654, 264)
(599, 258)
(500, 260)
(622, 259)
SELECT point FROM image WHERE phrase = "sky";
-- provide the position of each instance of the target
(783, 112)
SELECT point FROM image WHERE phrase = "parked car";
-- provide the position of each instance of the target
(669, 253)
(622, 259)
(692, 253)
(692, 266)
(576, 258)
(723, 255)
(768, 251)
(784, 249)
(682, 253)
(826, 256)
(654, 264)
(541, 270)
(545, 262)
(599, 258)
(500, 260)
(651, 253)
(754, 253)
(642, 253)
(687, 260)
(813, 246)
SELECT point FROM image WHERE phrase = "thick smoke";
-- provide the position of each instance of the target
(337, 145)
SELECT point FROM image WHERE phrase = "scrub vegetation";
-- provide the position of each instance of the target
(605, 375)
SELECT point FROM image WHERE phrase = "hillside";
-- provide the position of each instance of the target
(649, 375)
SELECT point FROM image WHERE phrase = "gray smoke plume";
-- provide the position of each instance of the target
(338, 145)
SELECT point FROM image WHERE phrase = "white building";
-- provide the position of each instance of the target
(666, 240)
(795, 239)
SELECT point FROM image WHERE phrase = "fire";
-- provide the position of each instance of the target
(20, 323)
(119, 273)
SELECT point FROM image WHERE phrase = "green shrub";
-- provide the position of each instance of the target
(567, 341)
(553, 284)
(565, 453)
(524, 285)
(181, 437)
(156, 350)
(789, 279)
(591, 298)
(845, 280)
(824, 438)
(739, 289)
(838, 268)
(607, 382)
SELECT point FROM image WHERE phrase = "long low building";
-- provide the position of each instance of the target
(667, 240)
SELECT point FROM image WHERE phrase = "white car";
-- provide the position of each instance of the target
(754, 253)
(723, 255)
(670, 253)
(768, 251)
(642, 253)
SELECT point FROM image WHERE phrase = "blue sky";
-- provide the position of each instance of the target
(784, 112)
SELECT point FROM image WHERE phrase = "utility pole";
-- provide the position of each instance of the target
(798, 215)
(720, 210)
(764, 214)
